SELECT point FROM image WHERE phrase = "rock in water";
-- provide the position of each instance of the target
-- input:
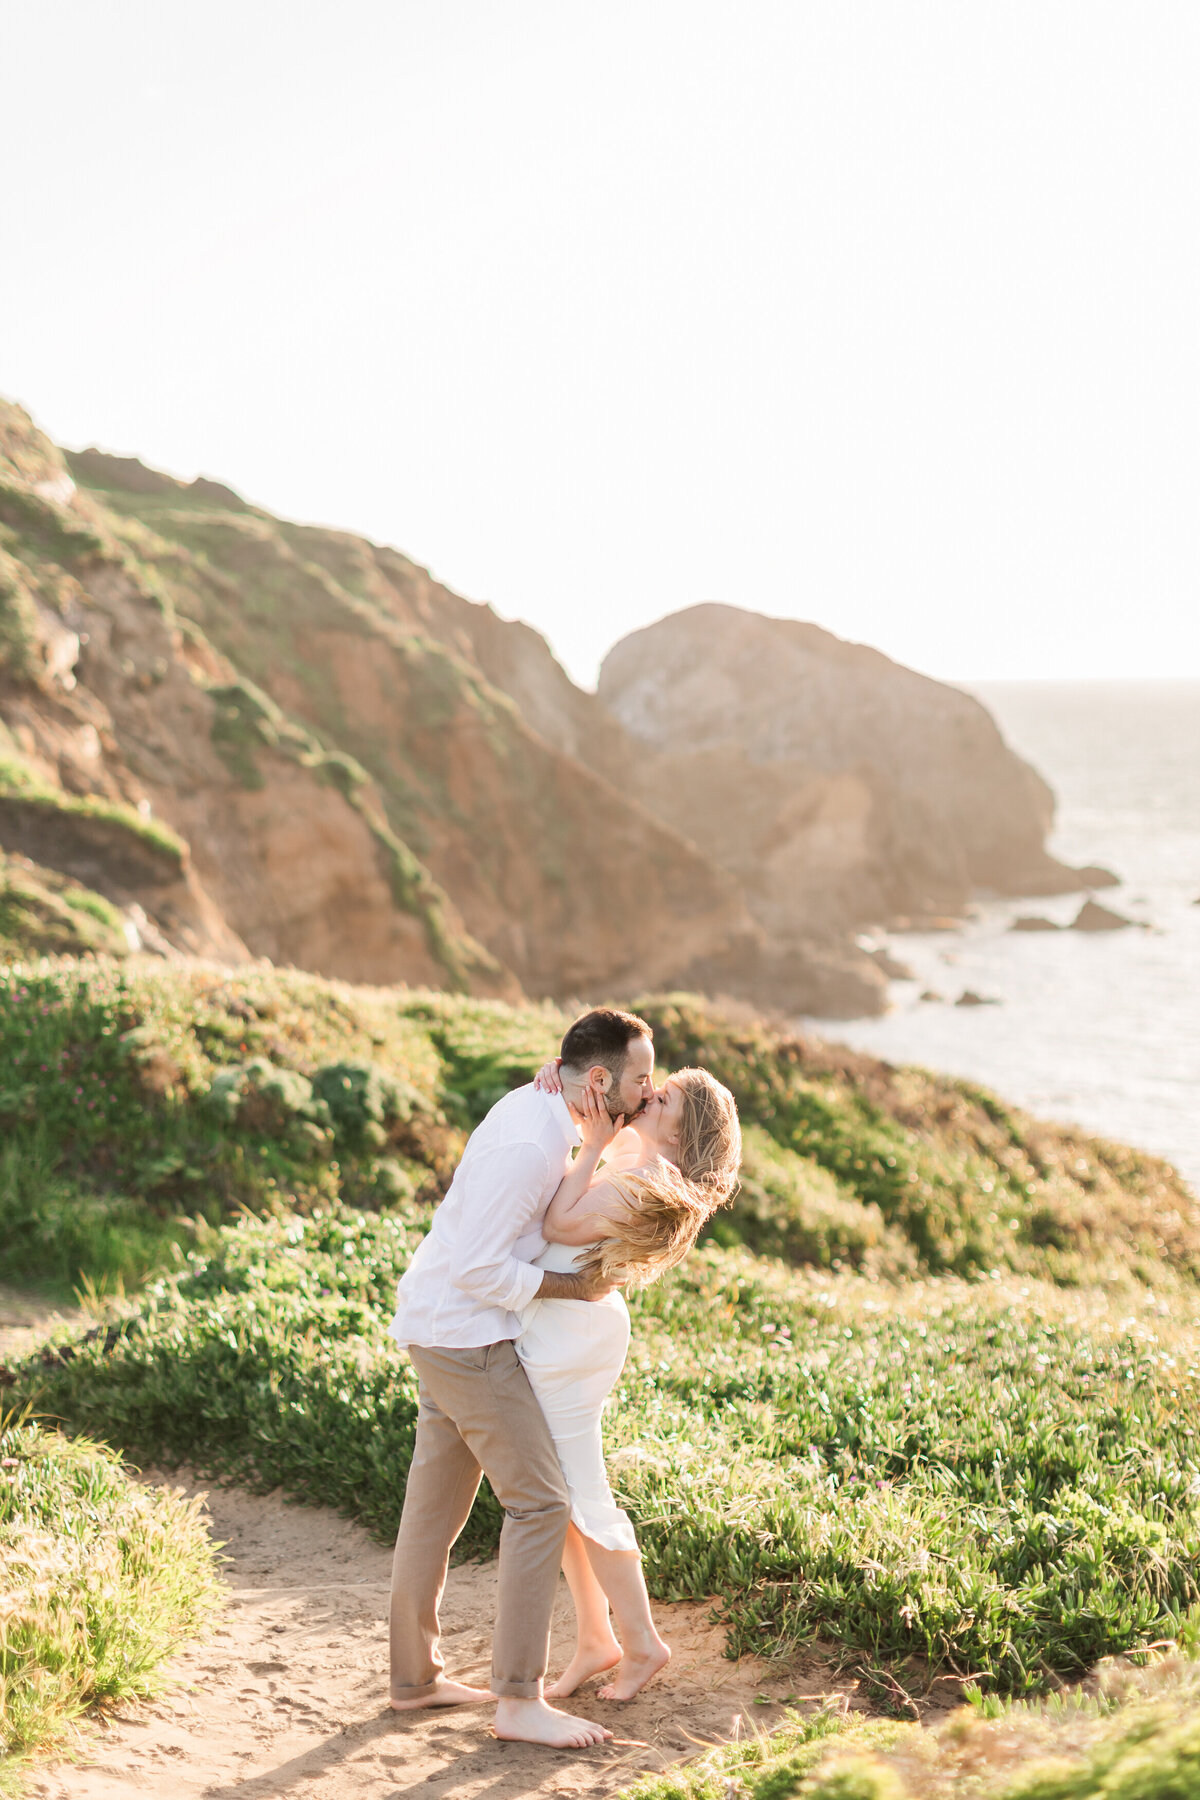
(1034, 922)
(890, 965)
(969, 997)
(1094, 917)
(1092, 875)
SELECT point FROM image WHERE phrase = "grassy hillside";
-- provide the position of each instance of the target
(144, 1101)
(143, 1104)
(147, 1105)
(926, 1396)
(109, 692)
(989, 1478)
(321, 648)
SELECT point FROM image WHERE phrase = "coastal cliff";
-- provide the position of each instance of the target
(228, 735)
(302, 717)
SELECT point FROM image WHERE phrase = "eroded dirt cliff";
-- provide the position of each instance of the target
(230, 735)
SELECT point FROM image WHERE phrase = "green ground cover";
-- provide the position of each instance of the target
(100, 1580)
(1132, 1733)
(141, 1105)
(988, 1478)
(140, 1101)
(926, 1397)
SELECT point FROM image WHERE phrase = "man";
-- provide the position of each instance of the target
(456, 1313)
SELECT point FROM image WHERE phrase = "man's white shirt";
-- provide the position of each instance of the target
(474, 1272)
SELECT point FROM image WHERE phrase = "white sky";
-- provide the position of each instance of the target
(885, 315)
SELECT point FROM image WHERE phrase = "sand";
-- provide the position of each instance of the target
(286, 1694)
(27, 1319)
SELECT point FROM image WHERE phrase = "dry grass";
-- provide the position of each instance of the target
(100, 1580)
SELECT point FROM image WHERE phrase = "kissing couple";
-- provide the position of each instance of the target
(512, 1316)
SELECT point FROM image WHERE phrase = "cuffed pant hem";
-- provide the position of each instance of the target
(516, 1690)
(412, 1693)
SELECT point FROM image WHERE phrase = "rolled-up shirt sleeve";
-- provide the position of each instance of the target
(503, 1198)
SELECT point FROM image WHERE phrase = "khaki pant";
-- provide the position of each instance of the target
(478, 1414)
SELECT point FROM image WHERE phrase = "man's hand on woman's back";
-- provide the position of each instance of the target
(574, 1287)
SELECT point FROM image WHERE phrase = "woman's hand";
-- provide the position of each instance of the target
(548, 1080)
(596, 1127)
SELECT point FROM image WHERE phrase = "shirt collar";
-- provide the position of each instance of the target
(562, 1112)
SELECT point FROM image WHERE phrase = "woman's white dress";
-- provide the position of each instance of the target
(573, 1352)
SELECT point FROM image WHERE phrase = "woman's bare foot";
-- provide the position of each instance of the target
(445, 1693)
(589, 1659)
(533, 1722)
(636, 1671)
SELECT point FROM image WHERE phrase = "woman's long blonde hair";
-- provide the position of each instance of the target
(669, 1204)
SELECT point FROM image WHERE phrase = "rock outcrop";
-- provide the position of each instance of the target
(1094, 917)
(838, 787)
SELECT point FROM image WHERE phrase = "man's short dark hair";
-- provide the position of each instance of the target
(603, 1037)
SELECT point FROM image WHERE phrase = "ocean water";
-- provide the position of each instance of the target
(1101, 1030)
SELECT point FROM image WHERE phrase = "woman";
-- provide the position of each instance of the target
(663, 1177)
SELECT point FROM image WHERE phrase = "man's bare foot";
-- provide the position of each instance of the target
(445, 1693)
(588, 1660)
(533, 1722)
(636, 1671)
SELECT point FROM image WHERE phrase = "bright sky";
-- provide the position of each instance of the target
(881, 314)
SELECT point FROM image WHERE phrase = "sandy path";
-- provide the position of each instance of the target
(26, 1320)
(285, 1695)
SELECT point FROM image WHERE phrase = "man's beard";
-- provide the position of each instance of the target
(617, 1111)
